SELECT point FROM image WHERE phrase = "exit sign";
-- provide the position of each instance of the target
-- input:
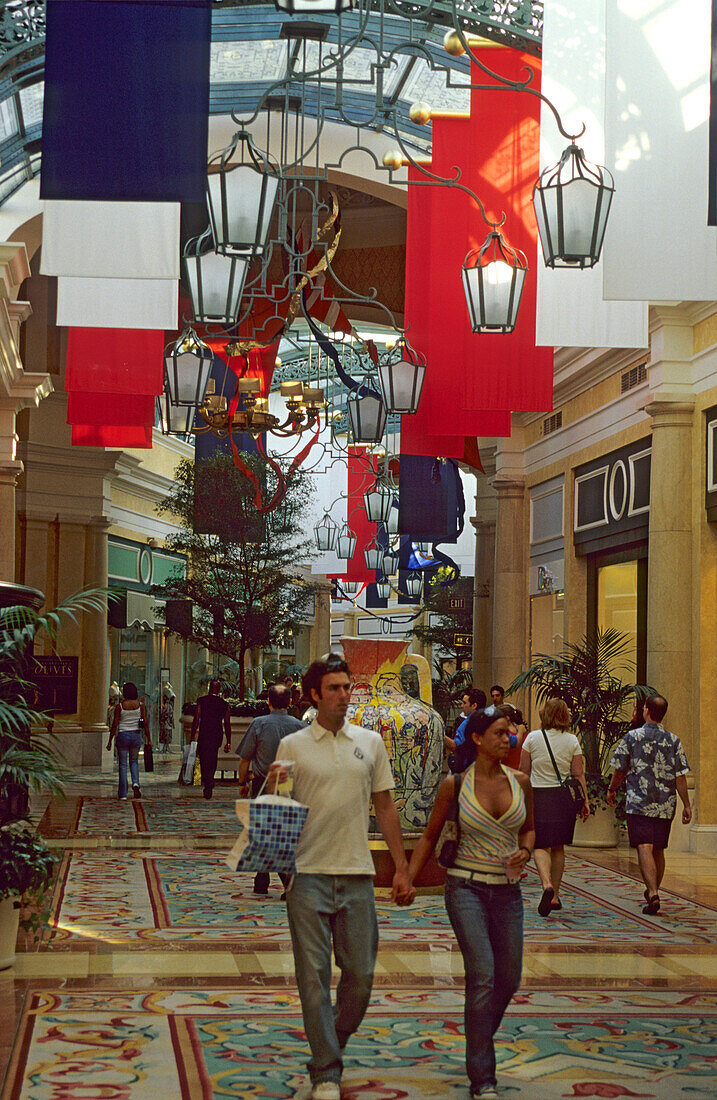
(456, 603)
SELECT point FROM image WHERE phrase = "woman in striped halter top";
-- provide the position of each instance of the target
(483, 899)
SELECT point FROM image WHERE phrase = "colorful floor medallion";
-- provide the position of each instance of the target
(197, 1044)
(192, 896)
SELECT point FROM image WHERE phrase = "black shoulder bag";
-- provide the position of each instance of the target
(450, 836)
(570, 786)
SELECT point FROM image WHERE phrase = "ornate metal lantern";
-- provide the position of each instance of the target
(392, 521)
(350, 587)
(373, 555)
(175, 419)
(215, 282)
(383, 589)
(493, 279)
(326, 533)
(401, 376)
(414, 584)
(378, 502)
(367, 416)
(242, 185)
(572, 202)
(390, 562)
(346, 542)
(187, 366)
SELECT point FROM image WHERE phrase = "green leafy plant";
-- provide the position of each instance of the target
(449, 689)
(588, 677)
(26, 870)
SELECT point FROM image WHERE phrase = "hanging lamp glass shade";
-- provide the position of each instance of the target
(401, 378)
(242, 186)
(392, 521)
(175, 419)
(390, 562)
(378, 502)
(493, 280)
(414, 585)
(383, 590)
(373, 555)
(367, 417)
(187, 366)
(350, 587)
(572, 202)
(346, 542)
(215, 283)
(326, 532)
(306, 7)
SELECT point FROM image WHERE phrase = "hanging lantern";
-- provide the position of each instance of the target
(392, 521)
(350, 587)
(187, 366)
(493, 279)
(175, 419)
(378, 502)
(390, 562)
(346, 542)
(572, 202)
(215, 282)
(401, 378)
(414, 585)
(383, 589)
(373, 555)
(326, 532)
(311, 7)
(367, 416)
(242, 185)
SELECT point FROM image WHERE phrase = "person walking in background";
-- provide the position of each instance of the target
(654, 764)
(130, 728)
(338, 770)
(483, 898)
(474, 699)
(259, 749)
(211, 718)
(553, 807)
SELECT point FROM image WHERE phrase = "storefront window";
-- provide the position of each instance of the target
(617, 604)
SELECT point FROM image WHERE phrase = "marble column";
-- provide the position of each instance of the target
(321, 629)
(9, 471)
(483, 587)
(669, 572)
(510, 591)
(94, 656)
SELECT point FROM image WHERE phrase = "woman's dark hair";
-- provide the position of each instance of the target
(129, 691)
(479, 722)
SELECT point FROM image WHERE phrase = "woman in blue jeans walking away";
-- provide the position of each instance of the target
(131, 728)
(483, 898)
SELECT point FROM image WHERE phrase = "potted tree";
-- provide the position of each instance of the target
(28, 759)
(588, 677)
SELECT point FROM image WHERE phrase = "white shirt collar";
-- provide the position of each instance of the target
(318, 731)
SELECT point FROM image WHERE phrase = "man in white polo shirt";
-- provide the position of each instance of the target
(338, 769)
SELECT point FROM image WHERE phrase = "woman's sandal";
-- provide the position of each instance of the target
(545, 904)
(653, 906)
(555, 905)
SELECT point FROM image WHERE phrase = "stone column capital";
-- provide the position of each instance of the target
(10, 470)
(671, 411)
(507, 487)
(483, 526)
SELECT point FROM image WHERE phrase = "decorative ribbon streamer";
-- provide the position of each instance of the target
(329, 349)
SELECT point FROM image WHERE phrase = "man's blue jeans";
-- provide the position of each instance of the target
(128, 745)
(488, 923)
(338, 909)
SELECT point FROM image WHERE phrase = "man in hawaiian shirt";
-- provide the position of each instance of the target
(655, 765)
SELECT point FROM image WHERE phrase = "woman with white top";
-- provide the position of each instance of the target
(131, 730)
(552, 808)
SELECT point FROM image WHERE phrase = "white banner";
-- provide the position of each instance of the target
(570, 308)
(656, 135)
(111, 240)
(118, 303)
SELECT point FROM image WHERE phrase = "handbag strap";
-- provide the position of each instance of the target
(457, 784)
(552, 758)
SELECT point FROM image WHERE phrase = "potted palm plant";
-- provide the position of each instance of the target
(589, 678)
(28, 757)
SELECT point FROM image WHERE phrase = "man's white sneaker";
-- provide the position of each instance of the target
(326, 1090)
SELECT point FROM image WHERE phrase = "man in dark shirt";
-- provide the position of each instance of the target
(259, 749)
(210, 717)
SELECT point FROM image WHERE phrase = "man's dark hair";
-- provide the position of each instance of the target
(279, 696)
(656, 707)
(129, 690)
(311, 680)
(497, 687)
(476, 697)
(215, 686)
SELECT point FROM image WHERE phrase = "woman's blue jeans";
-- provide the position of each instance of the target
(128, 745)
(488, 923)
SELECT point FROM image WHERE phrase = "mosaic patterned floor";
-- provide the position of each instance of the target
(192, 897)
(217, 1043)
(172, 817)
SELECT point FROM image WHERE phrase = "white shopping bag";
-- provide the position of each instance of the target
(190, 755)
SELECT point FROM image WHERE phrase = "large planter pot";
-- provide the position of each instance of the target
(599, 831)
(411, 729)
(9, 923)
